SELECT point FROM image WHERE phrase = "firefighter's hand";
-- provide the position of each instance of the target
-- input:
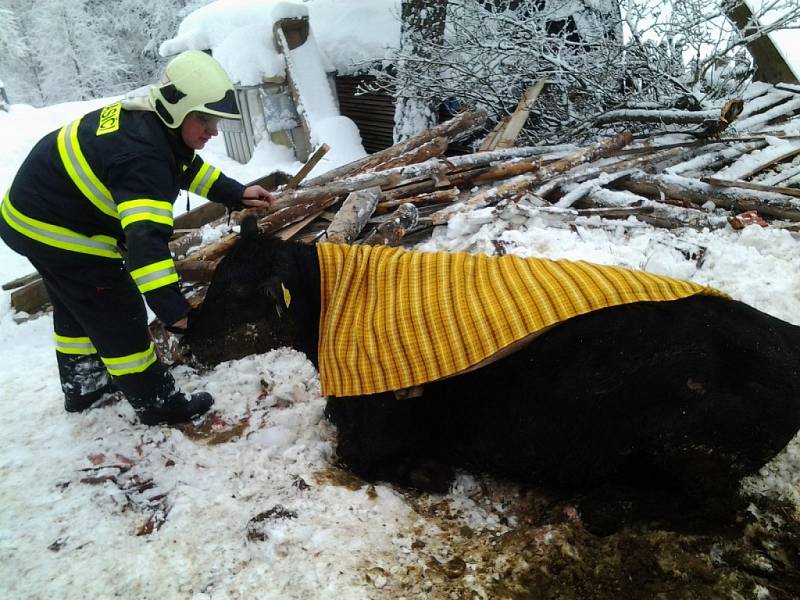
(179, 326)
(256, 196)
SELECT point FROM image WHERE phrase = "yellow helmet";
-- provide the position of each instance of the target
(193, 81)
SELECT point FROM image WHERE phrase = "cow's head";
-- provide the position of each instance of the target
(262, 297)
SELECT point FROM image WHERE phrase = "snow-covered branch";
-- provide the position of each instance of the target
(684, 55)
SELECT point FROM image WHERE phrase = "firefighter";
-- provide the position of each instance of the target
(91, 207)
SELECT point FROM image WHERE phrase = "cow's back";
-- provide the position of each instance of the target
(695, 393)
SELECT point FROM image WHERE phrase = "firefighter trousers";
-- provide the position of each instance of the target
(100, 326)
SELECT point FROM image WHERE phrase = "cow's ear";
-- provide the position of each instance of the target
(249, 227)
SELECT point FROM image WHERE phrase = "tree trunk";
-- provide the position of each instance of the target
(767, 204)
(522, 183)
(422, 24)
(459, 126)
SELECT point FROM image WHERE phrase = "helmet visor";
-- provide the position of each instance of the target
(225, 108)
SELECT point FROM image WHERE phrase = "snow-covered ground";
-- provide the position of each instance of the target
(267, 515)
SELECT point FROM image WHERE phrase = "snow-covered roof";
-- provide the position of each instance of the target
(239, 33)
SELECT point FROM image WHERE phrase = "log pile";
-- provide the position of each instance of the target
(678, 180)
(662, 181)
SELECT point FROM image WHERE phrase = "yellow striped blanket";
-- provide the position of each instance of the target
(392, 318)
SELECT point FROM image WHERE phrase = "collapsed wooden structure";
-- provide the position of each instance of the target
(744, 159)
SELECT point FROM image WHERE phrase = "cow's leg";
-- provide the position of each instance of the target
(382, 438)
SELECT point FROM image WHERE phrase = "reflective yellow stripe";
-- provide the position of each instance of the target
(80, 172)
(205, 178)
(132, 363)
(155, 275)
(74, 345)
(211, 180)
(58, 237)
(143, 209)
(198, 178)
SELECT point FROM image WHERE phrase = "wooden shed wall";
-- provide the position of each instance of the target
(372, 113)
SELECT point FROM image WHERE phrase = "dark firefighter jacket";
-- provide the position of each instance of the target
(109, 180)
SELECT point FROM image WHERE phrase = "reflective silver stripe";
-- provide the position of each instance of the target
(76, 348)
(76, 345)
(130, 363)
(76, 239)
(201, 185)
(144, 279)
(129, 212)
(77, 169)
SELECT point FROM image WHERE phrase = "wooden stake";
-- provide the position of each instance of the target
(312, 162)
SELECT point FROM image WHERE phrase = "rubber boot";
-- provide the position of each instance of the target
(177, 408)
(84, 380)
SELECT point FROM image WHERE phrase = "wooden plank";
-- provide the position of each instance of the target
(288, 233)
(21, 281)
(280, 30)
(196, 270)
(490, 141)
(508, 135)
(787, 175)
(199, 216)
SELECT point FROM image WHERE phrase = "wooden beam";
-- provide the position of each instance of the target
(196, 270)
(199, 216)
(788, 191)
(508, 135)
(289, 33)
(771, 67)
(768, 204)
(457, 127)
(394, 228)
(30, 298)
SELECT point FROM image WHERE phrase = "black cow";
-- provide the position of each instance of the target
(689, 394)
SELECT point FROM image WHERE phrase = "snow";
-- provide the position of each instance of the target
(239, 33)
(327, 536)
(747, 164)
